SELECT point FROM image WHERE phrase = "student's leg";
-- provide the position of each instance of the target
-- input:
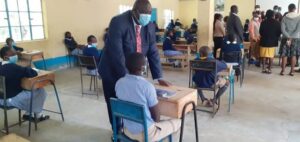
(283, 64)
(201, 95)
(270, 64)
(293, 62)
(163, 129)
(263, 65)
(223, 84)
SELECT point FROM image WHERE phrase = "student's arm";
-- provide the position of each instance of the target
(153, 103)
(283, 29)
(19, 49)
(25, 71)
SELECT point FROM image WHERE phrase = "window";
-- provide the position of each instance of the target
(21, 19)
(124, 8)
(168, 16)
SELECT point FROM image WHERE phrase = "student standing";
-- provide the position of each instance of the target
(291, 38)
(128, 33)
(254, 37)
(270, 32)
(218, 32)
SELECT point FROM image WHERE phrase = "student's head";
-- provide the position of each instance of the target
(194, 20)
(279, 9)
(92, 40)
(231, 38)
(275, 8)
(247, 21)
(270, 14)
(9, 42)
(292, 7)
(177, 20)
(234, 9)
(170, 33)
(257, 7)
(218, 16)
(225, 19)
(142, 11)
(204, 51)
(135, 63)
(255, 15)
(106, 30)
(8, 54)
(68, 34)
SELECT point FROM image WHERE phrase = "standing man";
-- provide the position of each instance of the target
(128, 33)
(234, 25)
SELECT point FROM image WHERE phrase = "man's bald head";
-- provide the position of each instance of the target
(142, 7)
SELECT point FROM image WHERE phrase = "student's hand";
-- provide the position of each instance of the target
(164, 83)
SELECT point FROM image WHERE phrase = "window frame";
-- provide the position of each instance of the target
(20, 24)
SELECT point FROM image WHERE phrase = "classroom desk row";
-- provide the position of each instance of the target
(27, 57)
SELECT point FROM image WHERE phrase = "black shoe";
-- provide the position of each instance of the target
(40, 119)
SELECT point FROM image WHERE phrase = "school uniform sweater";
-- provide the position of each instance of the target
(91, 51)
(13, 74)
(168, 44)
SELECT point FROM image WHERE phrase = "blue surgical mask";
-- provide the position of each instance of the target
(94, 45)
(13, 59)
(144, 19)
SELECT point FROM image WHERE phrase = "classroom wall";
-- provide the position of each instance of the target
(188, 10)
(82, 18)
(246, 8)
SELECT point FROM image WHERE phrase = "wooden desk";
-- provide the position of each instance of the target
(33, 55)
(172, 107)
(13, 138)
(42, 75)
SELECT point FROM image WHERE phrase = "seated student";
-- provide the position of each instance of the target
(189, 36)
(206, 79)
(168, 47)
(11, 43)
(91, 50)
(16, 95)
(230, 44)
(136, 89)
(72, 45)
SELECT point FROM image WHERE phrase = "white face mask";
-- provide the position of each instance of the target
(257, 9)
(256, 18)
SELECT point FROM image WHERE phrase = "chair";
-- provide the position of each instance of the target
(129, 111)
(206, 66)
(84, 62)
(5, 107)
(235, 58)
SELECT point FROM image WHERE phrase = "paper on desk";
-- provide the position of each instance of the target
(165, 93)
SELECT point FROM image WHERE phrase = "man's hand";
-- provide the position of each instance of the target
(164, 83)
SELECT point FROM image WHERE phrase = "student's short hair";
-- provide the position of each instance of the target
(270, 14)
(9, 40)
(275, 7)
(292, 7)
(66, 33)
(4, 51)
(89, 39)
(134, 62)
(257, 6)
(204, 50)
(231, 37)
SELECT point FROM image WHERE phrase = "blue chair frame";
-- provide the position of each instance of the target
(129, 111)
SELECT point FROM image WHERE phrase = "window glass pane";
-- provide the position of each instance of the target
(25, 30)
(3, 19)
(35, 5)
(22, 5)
(12, 5)
(24, 17)
(4, 33)
(38, 32)
(2, 5)
(14, 19)
(36, 18)
(16, 33)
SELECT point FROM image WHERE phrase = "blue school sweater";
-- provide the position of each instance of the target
(230, 47)
(206, 79)
(13, 74)
(70, 43)
(168, 44)
(92, 51)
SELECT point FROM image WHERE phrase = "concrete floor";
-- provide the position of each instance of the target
(266, 110)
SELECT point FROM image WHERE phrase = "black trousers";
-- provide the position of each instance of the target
(218, 43)
(109, 92)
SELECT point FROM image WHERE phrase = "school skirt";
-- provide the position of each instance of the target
(267, 52)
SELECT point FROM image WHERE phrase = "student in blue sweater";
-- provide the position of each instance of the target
(11, 43)
(168, 47)
(91, 50)
(15, 94)
(73, 47)
(206, 79)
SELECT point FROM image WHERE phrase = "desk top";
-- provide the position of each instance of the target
(13, 138)
(42, 75)
(180, 92)
(34, 52)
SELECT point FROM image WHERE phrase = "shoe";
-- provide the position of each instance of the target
(40, 119)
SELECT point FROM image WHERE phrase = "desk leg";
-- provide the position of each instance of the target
(229, 101)
(183, 119)
(45, 67)
(58, 101)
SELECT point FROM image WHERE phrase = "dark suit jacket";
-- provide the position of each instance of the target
(121, 42)
(234, 26)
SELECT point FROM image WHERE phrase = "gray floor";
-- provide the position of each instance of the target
(266, 110)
